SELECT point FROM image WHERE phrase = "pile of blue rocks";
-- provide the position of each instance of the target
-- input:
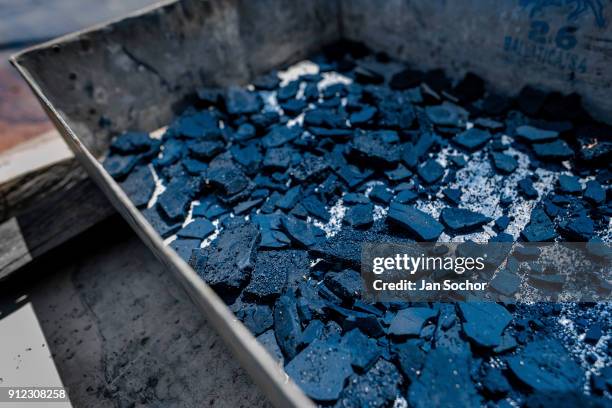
(268, 191)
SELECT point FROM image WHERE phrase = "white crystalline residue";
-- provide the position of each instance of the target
(400, 402)
(157, 134)
(298, 120)
(212, 236)
(300, 92)
(188, 220)
(295, 71)
(444, 156)
(334, 225)
(190, 213)
(159, 187)
(314, 262)
(332, 78)
(270, 102)
(482, 189)
(379, 213)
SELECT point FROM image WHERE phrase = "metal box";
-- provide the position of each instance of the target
(137, 72)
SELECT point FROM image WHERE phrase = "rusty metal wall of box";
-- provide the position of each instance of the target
(139, 71)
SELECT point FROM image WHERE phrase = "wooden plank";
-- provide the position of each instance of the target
(32, 155)
(50, 219)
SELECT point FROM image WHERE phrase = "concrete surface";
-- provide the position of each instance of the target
(120, 330)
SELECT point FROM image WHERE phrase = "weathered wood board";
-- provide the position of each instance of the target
(50, 220)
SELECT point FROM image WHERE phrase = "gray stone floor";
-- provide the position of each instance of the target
(121, 331)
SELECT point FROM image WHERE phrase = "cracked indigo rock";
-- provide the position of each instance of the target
(206, 150)
(376, 388)
(557, 150)
(494, 384)
(300, 232)
(580, 228)
(162, 225)
(504, 163)
(502, 223)
(346, 284)
(277, 158)
(312, 332)
(310, 168)
(376, 148)
(257, 318)
(594, 193)
(133, 142)
(399, 174)
(363, 116)
(405, 197)
(184, 247)
(280, 135)
(423, 226)
(444, 382)
(446, 114)
(410, 321)
(360, 216)
(248, 157)
(199, 228)
(139, 186)
(239, 101)
(452, 195)
(472, 139)
(175, 200)
(120, 166)
(290, 199)
(315, 207)
(506, 283)
(287, 325)
(321, 369)
(484, 322)
(380, 194)
(462, 220)
(344, 247)
(228, 262)
(430, 171)
(525, 187)
(544, 366)
(269, 278)
(540, 228)
(363, 350)
(224, 174)
(535, 135)
(410, 357)
(569, 184)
